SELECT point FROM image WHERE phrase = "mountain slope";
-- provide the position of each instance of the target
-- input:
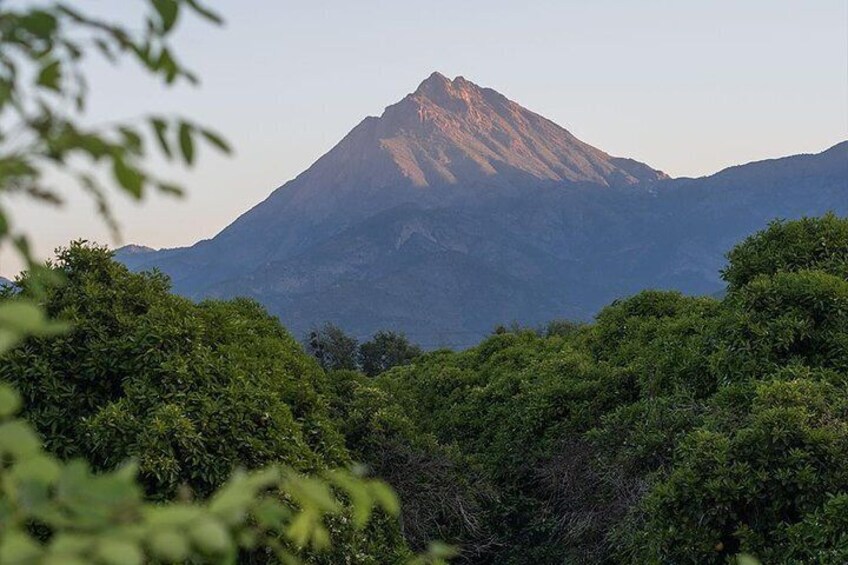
(444, 141)
(458, 209)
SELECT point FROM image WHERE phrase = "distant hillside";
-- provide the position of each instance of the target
(458, 209)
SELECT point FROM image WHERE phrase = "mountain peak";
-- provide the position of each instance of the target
(435, 82)
(455, 135)
(450, 132)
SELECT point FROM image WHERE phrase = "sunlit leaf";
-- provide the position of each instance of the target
(10, 401)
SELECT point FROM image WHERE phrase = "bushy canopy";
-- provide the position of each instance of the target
(190, 390)
(673, 429)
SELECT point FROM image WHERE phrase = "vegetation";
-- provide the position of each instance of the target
(673, 429)
(55, 512)
(152, 429)
(141, 373)
(186, 389)
(337, 351)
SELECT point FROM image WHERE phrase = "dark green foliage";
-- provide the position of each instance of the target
(386, 350)
(443, 495)
(562, 328)
(334, 349)
(819, 244)
(738, 489)
(673, 429)
(190, 390)
(337, 351)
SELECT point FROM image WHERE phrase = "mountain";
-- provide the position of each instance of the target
(458, 209)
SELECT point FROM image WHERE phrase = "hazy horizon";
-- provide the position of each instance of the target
(689, 89)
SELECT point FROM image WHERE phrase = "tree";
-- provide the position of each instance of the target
(190, 391)
(334, 349)
(103, 518)
(386, 350)
(819, 244)
(563, 328)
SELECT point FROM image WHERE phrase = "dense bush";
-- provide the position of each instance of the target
(386, 350)
(337, 351)
(673, 429)
(818, 244)
(189, 390)
(444, 496)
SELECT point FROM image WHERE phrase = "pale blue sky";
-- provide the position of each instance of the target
(688, 86)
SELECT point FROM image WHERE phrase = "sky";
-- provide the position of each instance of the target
(687, 87)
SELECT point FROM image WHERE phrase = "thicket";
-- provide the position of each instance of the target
(337, 351)
(672, 429)
(191, 393)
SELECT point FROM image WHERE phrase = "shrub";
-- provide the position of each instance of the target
(190, 391)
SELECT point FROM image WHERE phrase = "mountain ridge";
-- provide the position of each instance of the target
(457, 209)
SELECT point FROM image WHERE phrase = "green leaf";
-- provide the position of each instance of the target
(174, 516)
(40, 23)
(216, 140)
(10, 401)
(169, 546)
(119, 552)
(271, 514)
(205, 12)
(22, 318)
(187, 142)
(18, 547)
(167, 66)
(169, 188)
(40, 468)
(440, 550)
(168, 11)
(386, 497)
(18, 439)
(130, 178)
(160, 128)
(50, 75)
(301, 528)
(132, 140)
(105, 49)
(210, 537)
